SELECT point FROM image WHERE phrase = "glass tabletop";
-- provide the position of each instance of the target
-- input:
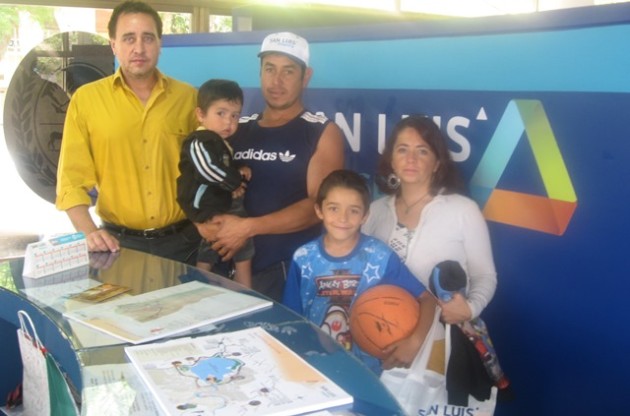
(142, 273)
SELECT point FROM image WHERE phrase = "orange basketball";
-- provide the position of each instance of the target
(382, 315)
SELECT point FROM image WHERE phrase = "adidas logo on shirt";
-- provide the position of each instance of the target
(260, 155)
(286, 156)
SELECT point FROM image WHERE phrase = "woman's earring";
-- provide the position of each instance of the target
(393, 181)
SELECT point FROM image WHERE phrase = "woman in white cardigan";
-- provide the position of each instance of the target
(426, 219)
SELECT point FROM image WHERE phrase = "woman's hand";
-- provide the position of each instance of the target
(402, 353)
(456, 310)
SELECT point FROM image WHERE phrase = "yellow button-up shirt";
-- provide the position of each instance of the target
(126, 150)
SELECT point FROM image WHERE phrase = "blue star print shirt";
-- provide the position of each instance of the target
(322, 288)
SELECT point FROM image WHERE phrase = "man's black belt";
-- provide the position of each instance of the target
(149, 233)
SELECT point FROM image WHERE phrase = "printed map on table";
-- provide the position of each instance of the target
(165, 312)
(247, 372)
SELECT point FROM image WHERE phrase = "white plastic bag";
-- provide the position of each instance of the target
(45, 390)
(35, 391)
(422, 392)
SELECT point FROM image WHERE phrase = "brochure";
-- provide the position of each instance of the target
(246, 372)
(101, 292)
(165, 312)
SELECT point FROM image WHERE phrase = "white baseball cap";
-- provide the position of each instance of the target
(287, 43)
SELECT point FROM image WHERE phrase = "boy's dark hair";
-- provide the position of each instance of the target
(344, 178)
(133, 7)
(218, 89)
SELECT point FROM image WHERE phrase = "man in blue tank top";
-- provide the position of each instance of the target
(289, 150)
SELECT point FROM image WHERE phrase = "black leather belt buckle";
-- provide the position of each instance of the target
(149, 233)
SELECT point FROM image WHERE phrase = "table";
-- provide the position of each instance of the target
(78, 349)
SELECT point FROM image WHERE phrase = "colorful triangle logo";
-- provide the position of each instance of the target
(551, 213)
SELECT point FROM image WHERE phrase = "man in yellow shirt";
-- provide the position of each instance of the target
(122, 137)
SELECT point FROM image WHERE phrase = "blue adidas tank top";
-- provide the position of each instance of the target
(278, 158)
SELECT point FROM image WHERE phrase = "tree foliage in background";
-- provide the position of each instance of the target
(175, 23)
(6, 278)
(43, 15)
(220, 23)
(10, 21)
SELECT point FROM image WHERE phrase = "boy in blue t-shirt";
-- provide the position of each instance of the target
(329, 273)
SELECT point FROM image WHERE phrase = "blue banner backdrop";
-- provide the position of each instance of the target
(558, 192)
